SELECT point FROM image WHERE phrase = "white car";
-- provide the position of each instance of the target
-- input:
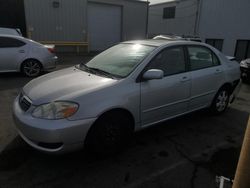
(19, 54)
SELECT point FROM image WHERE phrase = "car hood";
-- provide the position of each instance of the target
(65, 84)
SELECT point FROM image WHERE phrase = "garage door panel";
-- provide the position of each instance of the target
(104, 25)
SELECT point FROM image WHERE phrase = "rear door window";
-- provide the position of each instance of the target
(201, 57)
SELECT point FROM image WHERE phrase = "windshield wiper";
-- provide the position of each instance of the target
(97, 71)
(107, 74)
(86, 68)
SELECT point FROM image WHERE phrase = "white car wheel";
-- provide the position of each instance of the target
(31, 68)
(220, 101)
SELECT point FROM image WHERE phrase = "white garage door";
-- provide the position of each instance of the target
(104, 25)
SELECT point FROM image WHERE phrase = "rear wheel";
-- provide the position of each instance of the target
(109, 133)
(220, 102)
(31, 68)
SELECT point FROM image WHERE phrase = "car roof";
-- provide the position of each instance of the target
(11, 36)
(162, 42)
(10, 31)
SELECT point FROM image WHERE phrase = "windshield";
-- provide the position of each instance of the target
(120, 60)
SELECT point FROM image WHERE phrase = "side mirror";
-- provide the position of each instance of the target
(153, 74)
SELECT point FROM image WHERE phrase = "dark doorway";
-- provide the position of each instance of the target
(12, 14)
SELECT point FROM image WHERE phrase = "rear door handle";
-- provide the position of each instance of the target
(185, 79)
(21, 51)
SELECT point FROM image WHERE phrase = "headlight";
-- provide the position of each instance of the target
(55, 110)
(243, 64)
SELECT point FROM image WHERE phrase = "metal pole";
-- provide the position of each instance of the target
(197, 18)
(147, 19)
(242, 176)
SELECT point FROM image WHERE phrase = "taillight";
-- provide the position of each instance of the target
(51, 50)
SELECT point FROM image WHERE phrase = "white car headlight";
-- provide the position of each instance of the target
(55, 110)
(243, 64)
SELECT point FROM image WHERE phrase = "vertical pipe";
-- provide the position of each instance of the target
(147, 19)
(197, 18)
(242, 176)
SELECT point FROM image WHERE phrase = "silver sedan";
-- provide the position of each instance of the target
(19, 54)
(126, 88)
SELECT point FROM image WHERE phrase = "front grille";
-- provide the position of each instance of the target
(24, 103)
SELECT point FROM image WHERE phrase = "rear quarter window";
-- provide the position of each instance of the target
(7, 42)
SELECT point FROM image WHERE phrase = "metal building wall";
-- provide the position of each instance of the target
(225, 19)
(134, 17)
(182, 24)
(65, 23)
(69, 21)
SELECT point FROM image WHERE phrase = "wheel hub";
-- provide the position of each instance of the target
(31, 68)
(222, 101)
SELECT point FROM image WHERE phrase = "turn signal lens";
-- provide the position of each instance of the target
(55, 110)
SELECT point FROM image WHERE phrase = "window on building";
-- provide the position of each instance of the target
(217, 43)
(168, 12)
(242, 50)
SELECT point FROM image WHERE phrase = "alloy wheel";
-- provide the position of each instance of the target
(31, 68)
(222, 101)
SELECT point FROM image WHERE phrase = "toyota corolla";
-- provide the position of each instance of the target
(126, 88)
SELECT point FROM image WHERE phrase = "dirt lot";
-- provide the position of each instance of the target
(185, 152)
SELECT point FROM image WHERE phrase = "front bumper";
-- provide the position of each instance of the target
(53, 136)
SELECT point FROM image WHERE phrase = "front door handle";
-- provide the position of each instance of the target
(217, 71)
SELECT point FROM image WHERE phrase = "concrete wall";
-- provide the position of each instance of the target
(183, 23)
(225, 19)
(69, 22)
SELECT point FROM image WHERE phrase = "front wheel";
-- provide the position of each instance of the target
(31, 68)
(220, 102)
(109, 134)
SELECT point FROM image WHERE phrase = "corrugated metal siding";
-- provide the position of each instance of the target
(99, 16)
(225, 19)
(69, 21)
(66, 23)
(183, 23)
(133, 19)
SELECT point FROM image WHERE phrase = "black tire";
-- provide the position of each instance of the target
(109, 134)
(31, 68)
(220, 101)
